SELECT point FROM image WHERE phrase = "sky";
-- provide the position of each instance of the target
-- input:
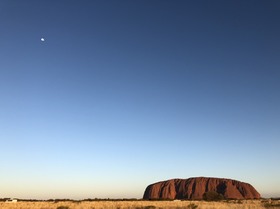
(123, 94)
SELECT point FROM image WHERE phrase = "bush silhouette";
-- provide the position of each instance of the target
(212, 196)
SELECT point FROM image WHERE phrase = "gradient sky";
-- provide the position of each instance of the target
(122, 94)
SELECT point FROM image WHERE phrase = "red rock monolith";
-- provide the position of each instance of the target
(194, 188)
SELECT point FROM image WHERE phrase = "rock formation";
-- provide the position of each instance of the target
(194, 188)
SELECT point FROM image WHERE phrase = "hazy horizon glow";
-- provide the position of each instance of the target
(123, 94)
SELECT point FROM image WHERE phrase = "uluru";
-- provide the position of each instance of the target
(195, 188)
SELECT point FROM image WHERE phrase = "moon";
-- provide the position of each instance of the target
(42, 39)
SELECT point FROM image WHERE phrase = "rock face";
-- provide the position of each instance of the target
(194, 188)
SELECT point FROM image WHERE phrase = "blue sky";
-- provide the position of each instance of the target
(122, 94)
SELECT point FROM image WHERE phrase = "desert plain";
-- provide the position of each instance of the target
(143, 204)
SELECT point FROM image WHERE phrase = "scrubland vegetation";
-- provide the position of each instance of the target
(177, 204)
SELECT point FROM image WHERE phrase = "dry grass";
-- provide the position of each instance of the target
(246, 204)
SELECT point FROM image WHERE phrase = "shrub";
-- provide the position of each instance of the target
(62, 207)
(192, 206)
(239, 201)
(271, 205)
(150, 207)
(212, 196)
